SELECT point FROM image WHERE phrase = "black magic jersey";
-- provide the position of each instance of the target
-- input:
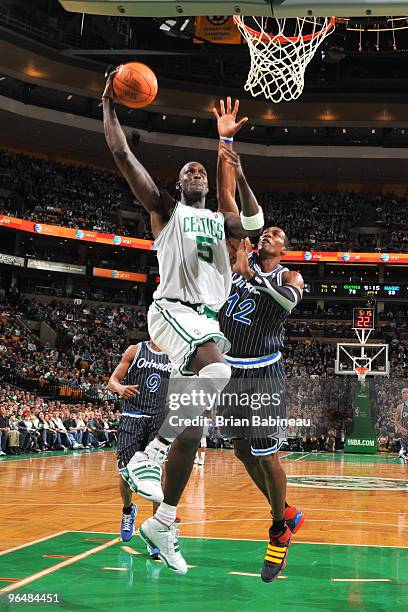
(251, 319)
(150, 370)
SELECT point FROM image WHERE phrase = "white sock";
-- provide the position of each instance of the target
(166, 514)
(156, 444)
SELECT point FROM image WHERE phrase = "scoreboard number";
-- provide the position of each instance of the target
(363, 318)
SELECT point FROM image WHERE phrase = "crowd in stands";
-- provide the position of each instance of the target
(83, 197)
(68, 195)
(30, 423)
(90, 341)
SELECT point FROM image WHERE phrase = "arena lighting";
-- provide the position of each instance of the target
(2, 78)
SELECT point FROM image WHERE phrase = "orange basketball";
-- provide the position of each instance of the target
(135, 85)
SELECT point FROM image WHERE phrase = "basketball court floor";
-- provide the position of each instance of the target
(60, 522)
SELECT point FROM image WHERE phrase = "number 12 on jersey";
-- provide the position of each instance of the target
(244, 309)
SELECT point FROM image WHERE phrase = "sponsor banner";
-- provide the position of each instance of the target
(148, 245)
(120, 275)
(360, 445)
(217, 29)
(11, 260)
(55, 266)
(342, 257)
(45, 229)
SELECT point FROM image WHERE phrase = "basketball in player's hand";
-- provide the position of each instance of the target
(135, 85)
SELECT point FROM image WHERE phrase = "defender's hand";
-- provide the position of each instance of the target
(227, 122)
(241, 265)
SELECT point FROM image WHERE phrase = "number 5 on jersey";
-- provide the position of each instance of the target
(204, 250)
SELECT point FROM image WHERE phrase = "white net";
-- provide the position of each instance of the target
(362, 373)
(279, 60)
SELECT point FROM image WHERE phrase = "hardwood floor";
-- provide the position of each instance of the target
(75, 492)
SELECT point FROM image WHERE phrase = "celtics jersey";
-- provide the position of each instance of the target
(193, 258)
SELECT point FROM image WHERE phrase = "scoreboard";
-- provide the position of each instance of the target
(363, 318)
(360, 290)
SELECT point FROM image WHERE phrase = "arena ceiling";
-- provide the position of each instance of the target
(56, 60)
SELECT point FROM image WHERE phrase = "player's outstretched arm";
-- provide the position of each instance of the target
(139, 180)
(116, 379)
(228, 126)
(251, 221)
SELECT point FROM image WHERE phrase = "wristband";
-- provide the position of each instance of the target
(256, 222)
(226, 139)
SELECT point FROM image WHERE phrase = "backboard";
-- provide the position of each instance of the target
(262, 8)
(351, 355)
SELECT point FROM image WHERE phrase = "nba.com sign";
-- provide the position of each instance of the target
(361, 445)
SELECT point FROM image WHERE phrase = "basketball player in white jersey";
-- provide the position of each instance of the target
(195, 281)
(401, 423)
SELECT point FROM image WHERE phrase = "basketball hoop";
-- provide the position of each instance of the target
(361, 373)
(279, 60)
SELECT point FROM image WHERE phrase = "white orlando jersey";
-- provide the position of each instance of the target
(193, 259)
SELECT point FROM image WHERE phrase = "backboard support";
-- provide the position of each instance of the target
(261, 8)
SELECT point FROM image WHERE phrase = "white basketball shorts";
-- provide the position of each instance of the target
(178, 330)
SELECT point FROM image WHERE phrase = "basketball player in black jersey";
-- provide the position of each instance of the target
(401, 422)
(263, 294)
(141, 380)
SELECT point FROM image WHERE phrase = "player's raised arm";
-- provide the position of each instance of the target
(251, 220)
(230, 175)
(116, 379)
(227, 126)
(139, 180)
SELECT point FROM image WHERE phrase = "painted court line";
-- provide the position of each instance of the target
(251, 507)
(300, 458)
(349, 522)
(361, 580)
(263, 540)
(130, 550)
(48, 537)
(255, 575)
(116, 569)
(295, 543)
(55, 568)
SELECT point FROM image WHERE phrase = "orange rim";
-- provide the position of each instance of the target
(362, 372)
(284, 39)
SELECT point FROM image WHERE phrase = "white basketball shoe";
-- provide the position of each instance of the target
(156, 534)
